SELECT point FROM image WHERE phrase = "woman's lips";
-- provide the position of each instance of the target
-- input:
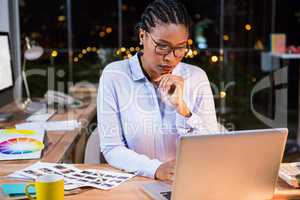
(165, 67)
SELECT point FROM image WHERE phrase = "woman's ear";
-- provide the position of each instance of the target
(141, 36)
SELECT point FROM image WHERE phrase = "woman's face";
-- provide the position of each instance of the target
(160, 45)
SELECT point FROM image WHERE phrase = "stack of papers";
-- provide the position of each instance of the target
(74, 177)
(290, 173)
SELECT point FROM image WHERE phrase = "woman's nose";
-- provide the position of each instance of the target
(169, 57)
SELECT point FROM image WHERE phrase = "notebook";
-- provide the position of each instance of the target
(16, 191)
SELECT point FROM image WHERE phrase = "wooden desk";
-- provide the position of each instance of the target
(131, 190)
(63, 146)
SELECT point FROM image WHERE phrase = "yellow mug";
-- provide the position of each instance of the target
(47, 187)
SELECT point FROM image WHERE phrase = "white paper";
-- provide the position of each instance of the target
(41, 116)
(290, 172)
(74, 177)
(50, 126)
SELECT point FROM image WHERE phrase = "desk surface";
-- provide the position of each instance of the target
(59, 142)
(131, 190)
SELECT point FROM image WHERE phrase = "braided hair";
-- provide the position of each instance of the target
(164, 11)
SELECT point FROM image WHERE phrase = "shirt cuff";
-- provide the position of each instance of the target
(151, 168)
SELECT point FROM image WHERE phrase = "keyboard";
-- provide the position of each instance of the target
(167, 195)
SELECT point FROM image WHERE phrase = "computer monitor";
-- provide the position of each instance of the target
(6, 72)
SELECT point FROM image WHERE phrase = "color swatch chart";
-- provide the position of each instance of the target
(20, 144)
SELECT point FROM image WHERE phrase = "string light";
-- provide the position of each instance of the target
(54, 53)
(129, 52)
(85, 51)
(214, 59)
(108, 30)
(225, 37)
(248, 27)
(123, 49)
(222, 94)
(125, 53)
(102, 34)
(221, 58)
(61, 18)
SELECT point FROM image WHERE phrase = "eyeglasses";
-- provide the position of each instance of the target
(163, 49)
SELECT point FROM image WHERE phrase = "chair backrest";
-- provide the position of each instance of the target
(92, 149)
(222, 128)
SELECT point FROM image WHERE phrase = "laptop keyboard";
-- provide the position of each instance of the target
(167, 195)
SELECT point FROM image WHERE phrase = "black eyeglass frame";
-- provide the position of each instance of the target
(168, 49)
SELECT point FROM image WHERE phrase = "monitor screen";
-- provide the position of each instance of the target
(6, 73)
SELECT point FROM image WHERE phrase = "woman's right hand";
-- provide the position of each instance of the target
(165, 172)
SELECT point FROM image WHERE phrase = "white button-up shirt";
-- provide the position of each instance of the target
(138, 129)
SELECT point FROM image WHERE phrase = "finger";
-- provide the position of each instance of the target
(171, 89)
(163, 82)
(172, 168)
(172, 171)
(169, 85)
(170, 177)
(170, 182)
(172, 162)
(178, 82)
(158, 79)
(166, 86)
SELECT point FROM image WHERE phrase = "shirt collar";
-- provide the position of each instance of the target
(136, 68)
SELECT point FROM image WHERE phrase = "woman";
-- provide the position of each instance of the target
(147, 101)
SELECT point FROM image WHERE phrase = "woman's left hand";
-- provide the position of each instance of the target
(172, 87)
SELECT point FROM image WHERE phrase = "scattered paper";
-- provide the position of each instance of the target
(74, 177)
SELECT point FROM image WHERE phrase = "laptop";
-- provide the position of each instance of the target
(237, 165)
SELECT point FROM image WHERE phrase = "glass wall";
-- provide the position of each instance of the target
(228, 38)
